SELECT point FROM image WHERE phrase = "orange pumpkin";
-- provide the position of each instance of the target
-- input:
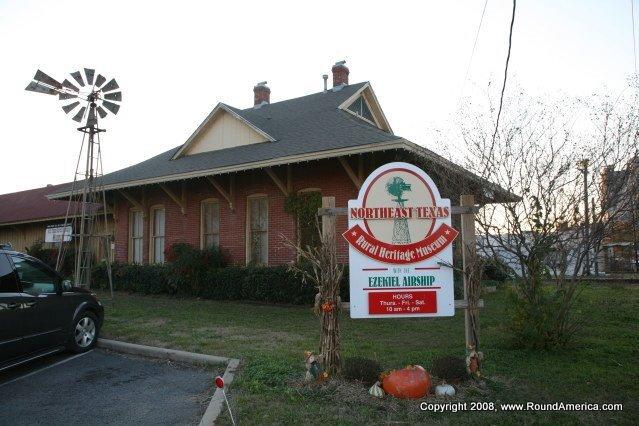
(410, 382)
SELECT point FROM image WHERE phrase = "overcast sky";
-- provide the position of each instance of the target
(175, 60)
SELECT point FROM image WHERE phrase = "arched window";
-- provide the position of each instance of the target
(210, 223)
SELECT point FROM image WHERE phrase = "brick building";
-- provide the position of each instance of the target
(227, 185)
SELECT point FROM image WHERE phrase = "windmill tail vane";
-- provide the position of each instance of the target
(90, 97)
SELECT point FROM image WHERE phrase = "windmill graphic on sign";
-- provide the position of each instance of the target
(396, 187)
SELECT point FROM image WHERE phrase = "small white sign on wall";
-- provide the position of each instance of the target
(400, 246)
(55, 233)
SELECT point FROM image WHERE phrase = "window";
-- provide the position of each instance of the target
(210, 226)
(35, 278)
(8, 282)
(137, 232)
(257, 230)
(360, 107)
(157, 235)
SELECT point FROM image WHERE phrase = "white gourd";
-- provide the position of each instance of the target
(444, 390)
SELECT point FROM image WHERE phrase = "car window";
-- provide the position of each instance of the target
(34, 277)
(8, 281)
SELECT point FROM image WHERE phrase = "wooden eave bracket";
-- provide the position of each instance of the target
(349, 171)
(283, 187)
(228, 196)
(132, 200)
(178, 200)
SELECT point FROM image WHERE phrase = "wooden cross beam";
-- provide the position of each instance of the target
(227, 196)
(349, 171)
(172, 195)
(133, 201)
(277, 180)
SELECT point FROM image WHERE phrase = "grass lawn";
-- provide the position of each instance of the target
(602, 366)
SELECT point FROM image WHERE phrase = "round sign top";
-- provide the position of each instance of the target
(398, 201)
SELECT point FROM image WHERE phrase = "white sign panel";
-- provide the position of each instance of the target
(400, 251)
(54, 233)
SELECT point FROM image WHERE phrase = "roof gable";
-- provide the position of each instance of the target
(366, 96)
(223, 128)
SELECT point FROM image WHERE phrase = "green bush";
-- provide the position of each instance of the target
(50, 257)
(202, 273)
(449, 368)
(496, 270)
(362, 370)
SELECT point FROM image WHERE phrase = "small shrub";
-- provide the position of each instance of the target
(496, 270)
(361, 369)
(50, 257)
(449, 368)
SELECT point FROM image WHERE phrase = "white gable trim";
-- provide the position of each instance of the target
(219, 109)
(369, 97)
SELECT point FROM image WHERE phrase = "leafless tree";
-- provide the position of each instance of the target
(539, 153)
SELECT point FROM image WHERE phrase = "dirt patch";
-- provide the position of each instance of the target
(341, 391)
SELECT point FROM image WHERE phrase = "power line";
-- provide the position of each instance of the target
(634, 39)
(503, 87)
(472, 53)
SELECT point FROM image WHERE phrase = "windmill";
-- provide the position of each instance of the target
(396, 187)
(86, 98)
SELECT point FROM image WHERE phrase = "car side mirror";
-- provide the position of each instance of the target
(66, 285)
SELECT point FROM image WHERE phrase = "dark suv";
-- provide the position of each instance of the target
(40, 313)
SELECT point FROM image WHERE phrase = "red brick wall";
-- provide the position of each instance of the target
(327, 175)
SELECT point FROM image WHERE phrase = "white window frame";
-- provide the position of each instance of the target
(153, 237)
(249, 230)
(132, 213)
(202, 221)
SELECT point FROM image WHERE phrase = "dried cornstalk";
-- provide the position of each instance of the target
(326, 274)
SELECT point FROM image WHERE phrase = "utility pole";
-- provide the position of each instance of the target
(583, 164)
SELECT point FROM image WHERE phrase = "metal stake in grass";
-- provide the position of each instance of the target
(219, 383)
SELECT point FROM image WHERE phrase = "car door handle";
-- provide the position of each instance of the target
(12, 306)
(27, 305)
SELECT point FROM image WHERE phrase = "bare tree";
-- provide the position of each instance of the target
(541, 152)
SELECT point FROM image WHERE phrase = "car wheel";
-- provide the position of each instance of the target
(84, 333)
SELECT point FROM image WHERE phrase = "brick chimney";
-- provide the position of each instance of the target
(340, 74)
(262, 94)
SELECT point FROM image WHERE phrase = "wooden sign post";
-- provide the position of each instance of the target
(471, 273)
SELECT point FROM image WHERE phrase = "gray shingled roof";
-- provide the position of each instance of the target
(306, 125)
(303, 125)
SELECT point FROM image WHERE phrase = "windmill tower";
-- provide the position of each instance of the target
(396, 187)
(86, 213)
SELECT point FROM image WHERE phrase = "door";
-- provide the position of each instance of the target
(11, 324)
(46, 310)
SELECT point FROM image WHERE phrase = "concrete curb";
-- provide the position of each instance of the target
(217, 401)
(170, 354)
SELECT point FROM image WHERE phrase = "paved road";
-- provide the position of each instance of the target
(103, 387)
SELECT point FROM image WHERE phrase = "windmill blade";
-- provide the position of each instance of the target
(40, 76)
(78, 116)
(116, 96)
(114, 108)
(101, 112)
(34, 86)
(68, 108)
(99, 81)
(78, 77)
(89, 73)
(64, 96)
(110, 86)
(66, 83)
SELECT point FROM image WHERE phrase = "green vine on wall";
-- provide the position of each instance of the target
(303, 206)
